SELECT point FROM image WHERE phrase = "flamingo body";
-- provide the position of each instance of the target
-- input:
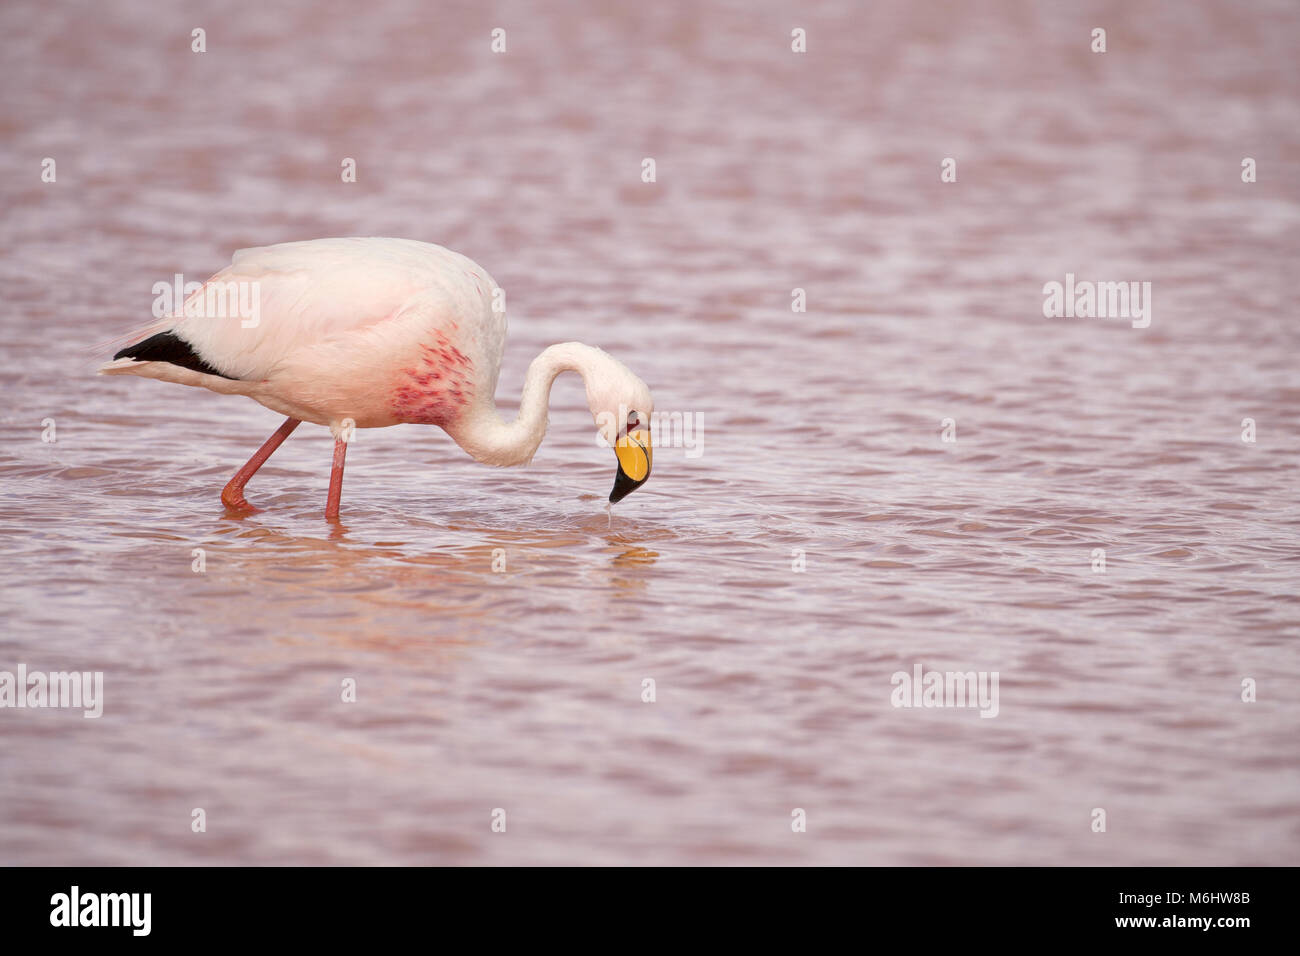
(377, 332)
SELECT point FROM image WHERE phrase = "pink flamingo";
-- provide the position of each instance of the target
(368, 333)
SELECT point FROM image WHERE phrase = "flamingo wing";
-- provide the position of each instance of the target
(332, 328)
(309, 293)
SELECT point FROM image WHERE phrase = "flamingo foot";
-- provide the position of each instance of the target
(232, 496)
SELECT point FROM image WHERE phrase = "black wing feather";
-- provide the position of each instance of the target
(167, 347)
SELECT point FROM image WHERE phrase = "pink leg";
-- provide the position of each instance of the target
(336, 479)
(232, 496)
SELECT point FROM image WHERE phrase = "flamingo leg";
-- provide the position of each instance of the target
(336, 479)
(232, 496)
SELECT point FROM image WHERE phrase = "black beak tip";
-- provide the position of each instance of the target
(623, 486)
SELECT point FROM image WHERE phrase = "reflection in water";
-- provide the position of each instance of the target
(635, 557)
(633, 563)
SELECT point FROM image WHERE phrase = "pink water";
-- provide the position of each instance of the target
(522, 689)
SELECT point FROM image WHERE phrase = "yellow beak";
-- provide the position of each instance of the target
(635, 454)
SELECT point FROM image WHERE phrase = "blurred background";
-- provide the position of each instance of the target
(821, 437)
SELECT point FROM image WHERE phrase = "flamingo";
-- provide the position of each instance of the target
(370, 332)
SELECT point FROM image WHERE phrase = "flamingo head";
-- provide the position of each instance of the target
(622, 406)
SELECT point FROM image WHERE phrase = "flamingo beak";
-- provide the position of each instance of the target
(634, 454)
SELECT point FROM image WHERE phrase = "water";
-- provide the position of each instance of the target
(521, 689)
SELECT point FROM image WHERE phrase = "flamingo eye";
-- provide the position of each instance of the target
(632, 419)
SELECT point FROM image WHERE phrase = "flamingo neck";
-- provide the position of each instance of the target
(488, 438)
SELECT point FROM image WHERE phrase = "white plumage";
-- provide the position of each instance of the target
(377, 332)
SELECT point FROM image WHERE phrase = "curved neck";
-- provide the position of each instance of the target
(490, 439)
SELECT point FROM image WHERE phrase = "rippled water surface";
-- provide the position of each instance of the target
(821, 436)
